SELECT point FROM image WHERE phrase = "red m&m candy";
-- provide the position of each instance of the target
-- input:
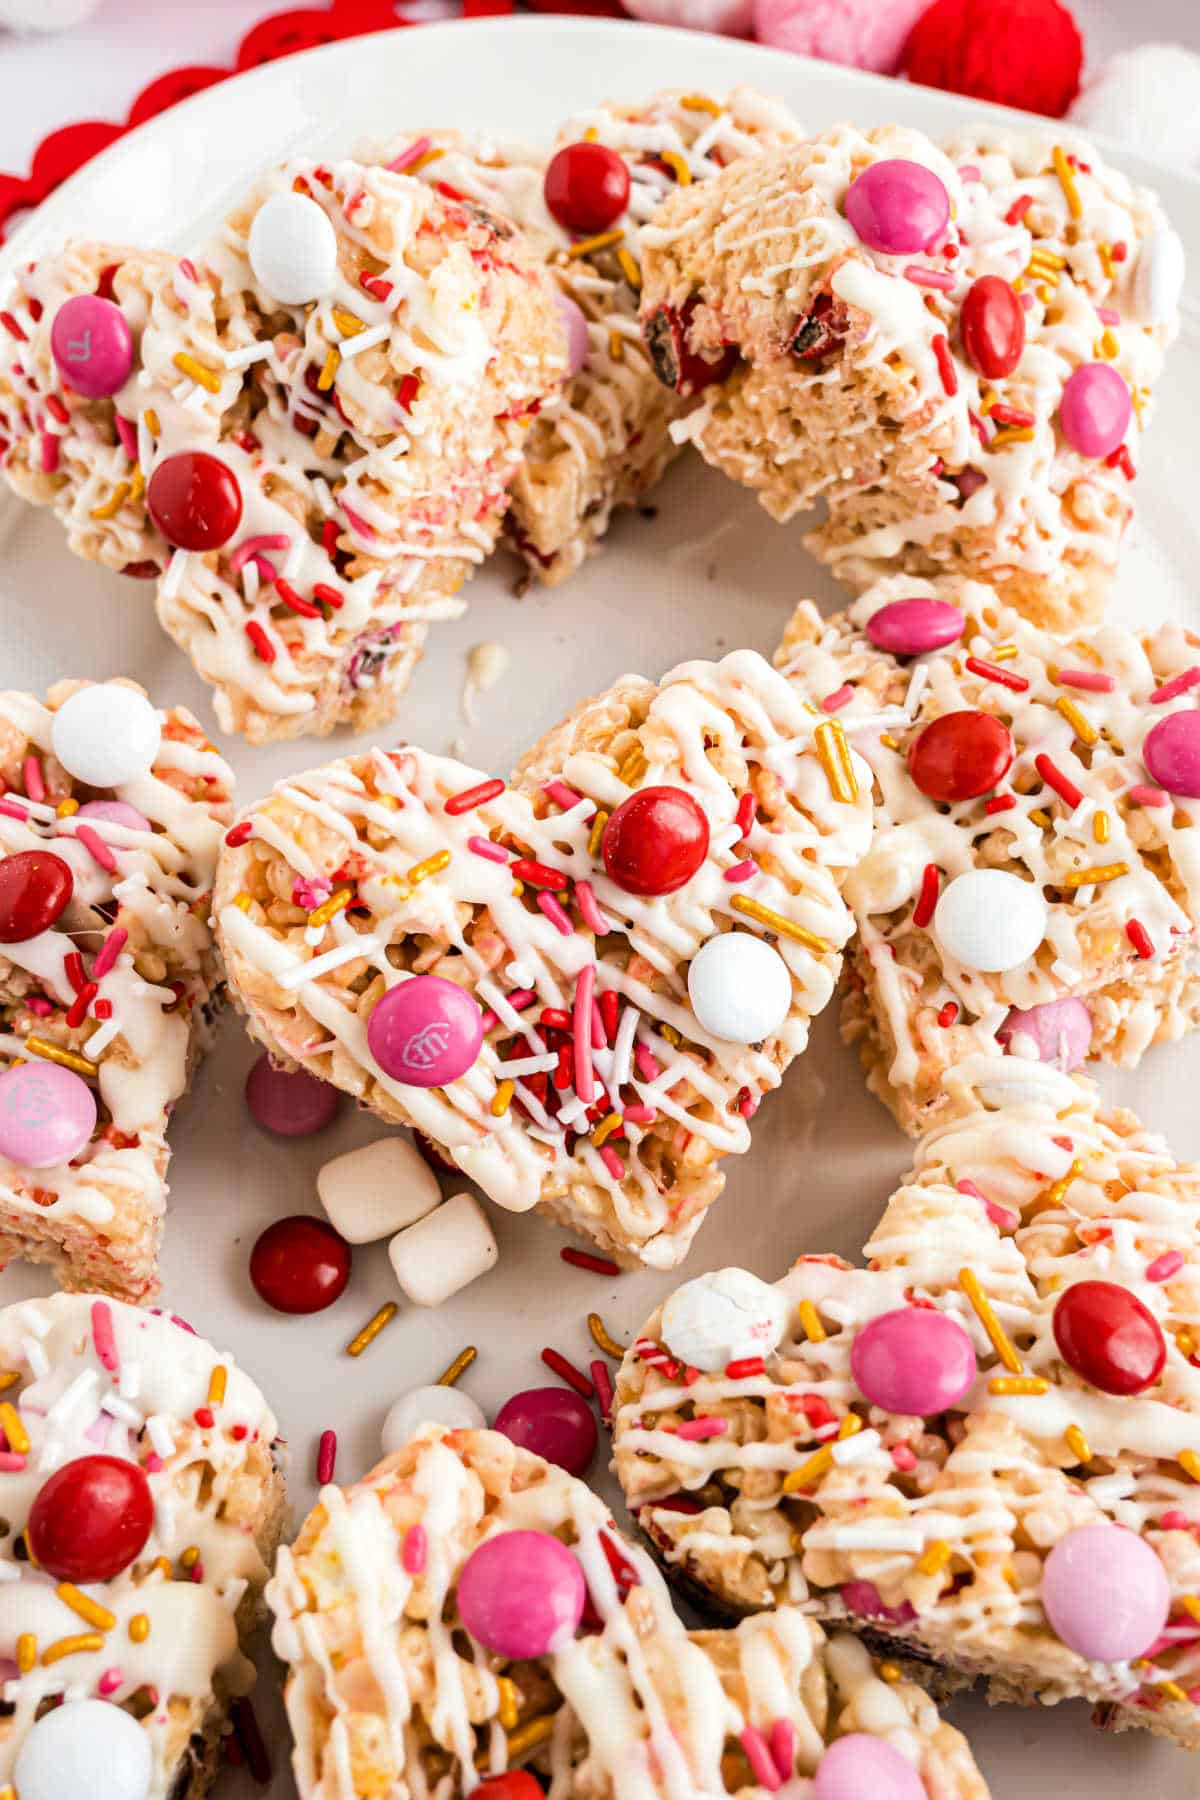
(552, 1422)
(655, 841)
(993, 326)
(961, 755)
(195, 500)
(1109, 1337)
(586, 187)
(35, 886)
(514, 1784)
(91, 1519)
(300, 1265)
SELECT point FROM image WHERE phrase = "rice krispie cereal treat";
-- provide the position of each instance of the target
(581, 985)
(604, 443)
(982, 1449)
(954, 350)
(467, 1612)
(141, 1508)
(111, 813)
(1033, 880)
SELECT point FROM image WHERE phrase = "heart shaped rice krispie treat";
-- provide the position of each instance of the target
(142, 1507)
(649, 917)
(468, 1610)
(605, 442)
(111, 813)
(953, 349)
(310, 430)
(983, 1449)
(1033, 880)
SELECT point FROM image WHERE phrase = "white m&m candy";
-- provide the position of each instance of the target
(723, 1317)
(447, 1406)
(378, 1190)
(106, 735)
(990, 920)
(739, 987)
(85, 1747)
(293, 248)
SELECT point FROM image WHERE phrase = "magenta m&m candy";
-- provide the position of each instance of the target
(35, 886)
(961, 755)
(115, 812)
(289, 1102)
(521, 1594)
(91, 1518)
(1105, 1593)
(195, 500)
(913, 1360)
(47, 1114)
(92, 346)
(554, 1423)
(425, 1031)
(1060, 1032)
(1107, 1335)
(897, 207)
(655, 841)
(1171, 753)
(299, 1264)
(576, 327)
(993, 327)
(1095, 409)
(911, 627)
(857, 1766)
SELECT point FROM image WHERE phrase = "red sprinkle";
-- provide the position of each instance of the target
(79, 1006)
(407, 392)
(10, 325)
(1011, 415)
(570, 1374)
(948, 1014)
(329, 537)
(538, 874)
(203, 1416)
(238, 834)
(745, 1366)
(375, 285)
(945, 363)
(326, 1456)
(999, 803)
(744, 816)
(1054, 778)
(604, 1389)
(470, 798)
(73, 969)
(262, 643)
(328, 596)
(993, 672)
(109, 951)
(287, 593)
(1121, 459)
(1140, 938)
(553, 1018)
(928, 897)
(1018, 209)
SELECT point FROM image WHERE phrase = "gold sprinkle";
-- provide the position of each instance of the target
(968, 1281)
(891, 1673)
(8, 1793)
(347, 322)
(329, 369)
(1043, 258)
(459, 1366)
(1189, 1462)
(337, 902)
(672, 1036)
(833, 749)
(200, 373)
(633, 767)
(1018, 1384)
(26, 1651)
(1066, 181)
(986, 402)
(810, 1470)
(163, 1565)
(1191, 1605)
(935, 1558)
(1005, 652)
(13, 1428)
(371, 1330)
(677, 166)
(754, 909)
(629, 269)
(82, 1642)
(1078, 1445)
(700, 103)
(1012, 434)
(603, 240)
(66, 1059)
(150, 418)
(137, 484)
(85, 1606)
(1079, 722)
(8, 1378)
(242, 901)
(597, 833)
(518, 888)
(432, 865)
(1171, 1690)
(810, 1322)
(1100, 828)
(590, 135)
(113, 504)
(190, 1557)
(605, 1128)
(603, 1339)
(1104, 252)
(1041, 818)
(216, 1385)
(1077, 878)
(1108, 346)
(527, 1737)
(1046, 292)
(502, 1099)
(616, 348)
(423, 162)
(850, 1426)
(510, 1710)
(65, 808)
(139, 1628)
(888, 741)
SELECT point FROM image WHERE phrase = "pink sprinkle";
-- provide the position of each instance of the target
(602, 1381)
(1174, 1520)
(999, 1215)
(969, 172)
(593, 918)
(612, 1162)
(128, 436)
(585, 994)
(49, 453)
(96, 847)
(1027, 301)
(694, 1430)
(11, 1463)
(1142, 794)
(640, 1114)
(903, 1458)
(554, 912)
(1107, 316)
(326, 1457)
(520, 998)
(31, 772)
(196, 1573)
(744, 817)
(646, 1061)
(599, 1035)
(742, 871)
(748, 1104)
(1179, 684)
(187, 269)
(834, 702)
(562, 795)
(102, 1335)
(357, 523)
(251, 549)
(414, 153)
(154, 1464)
(108, 952)
(929, 278)
(484, 847)
(109, 1682)
(37, 1003)
(783, 1747)
(1164, 1266)
(11, 809)
(412, 1554)
(762, 1763)
(1092, 679)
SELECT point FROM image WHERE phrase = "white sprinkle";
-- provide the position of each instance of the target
(159, 1433)
(526, 1065)
(918, 682)
(859, 1448)
(35, 1356)
(9, 1571)
(78, 1390)
(129, 1386)
(622, 1054)
(240, 359)
(364, 340)
(172, 581)
(100, 1040)
(164, 1523)
(301, 973)
(117, 1408)
(867, 1537)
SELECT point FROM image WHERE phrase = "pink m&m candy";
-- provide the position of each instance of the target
(910, 627)
(92, 345)
(115, 812)
(1171, 752)
(1060, 1031)
(1105, 1593)
(289, 1102)
(425, 1031)
(913, 1361)
(576, 327)
(857, 1765)
(897, 207)
(1095, 409)
(47, 1114)
(521, 1594)
(554, 1423)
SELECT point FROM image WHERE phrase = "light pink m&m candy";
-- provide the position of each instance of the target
(425, 1031)
(1060, 1031)
(1171, 752)
(1105, 1593)
(92, 345)
(857, 1765)
(897, 207)
(576, 327)
(910, 627)
(47, 1115)
(1095, 409)
(115, 812)
(913, 1361)
(521, 1594)
(289, 1102)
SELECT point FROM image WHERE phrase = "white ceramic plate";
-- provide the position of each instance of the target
(708, 572)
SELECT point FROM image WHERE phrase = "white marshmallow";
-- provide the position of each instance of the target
(1158, 281)
(85, 1747)
(106, 735)
(444, 1252)
(739, 987)
(722, 1317)
(990, 919)
(447, 1406)
(293, 248)
(376, 1191)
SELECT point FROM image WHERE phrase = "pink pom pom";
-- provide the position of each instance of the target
(861, 33)
(730, 17)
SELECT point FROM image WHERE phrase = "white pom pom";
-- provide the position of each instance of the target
(444, 1252)
(447, 1406)
(1149, 99)
(45, 15)
(723, 1317)
(376, 1191)
(732, 17)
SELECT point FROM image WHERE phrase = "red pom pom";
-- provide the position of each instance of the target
(1025, 53)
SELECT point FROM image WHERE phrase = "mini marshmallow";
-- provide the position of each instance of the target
(436, 1405)
(723, 1317)
(378, 1190)
(444, 1252)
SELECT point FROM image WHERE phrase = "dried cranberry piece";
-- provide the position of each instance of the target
(819, 332)
(673, 361)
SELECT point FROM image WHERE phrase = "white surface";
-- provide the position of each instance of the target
(708, 572)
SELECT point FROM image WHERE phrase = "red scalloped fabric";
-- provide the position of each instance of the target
(282, 34)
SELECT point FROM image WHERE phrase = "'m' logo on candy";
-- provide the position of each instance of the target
(31, 1103)
(80, 349)
(425, 1046)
